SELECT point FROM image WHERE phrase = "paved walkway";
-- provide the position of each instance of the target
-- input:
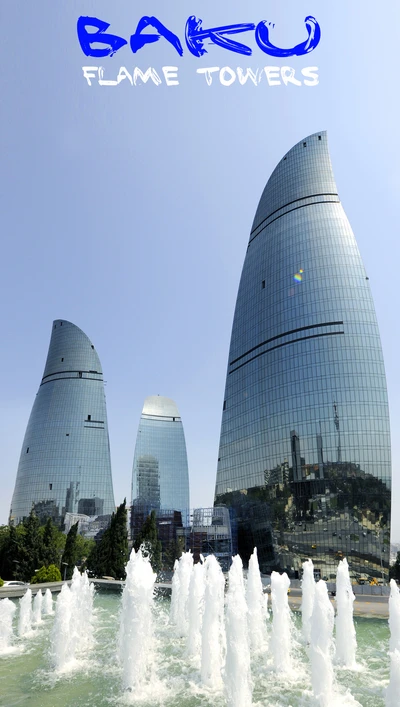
(365, 605)
(16, 592)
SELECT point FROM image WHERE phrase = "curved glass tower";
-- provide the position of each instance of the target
(160, 478)
(65, 464)
(304, 452)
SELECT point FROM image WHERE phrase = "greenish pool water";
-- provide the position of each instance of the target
(27, 676)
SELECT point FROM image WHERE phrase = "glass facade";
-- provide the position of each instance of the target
(304, 454)
(65, 464)
(210, 531)
(160, 478)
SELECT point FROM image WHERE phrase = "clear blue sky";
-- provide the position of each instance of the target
(126, 210)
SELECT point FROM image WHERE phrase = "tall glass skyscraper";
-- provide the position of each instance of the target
(304, 454)
(160, 478)
(65, 464)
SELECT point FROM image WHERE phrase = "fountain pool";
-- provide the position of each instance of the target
(27, 674)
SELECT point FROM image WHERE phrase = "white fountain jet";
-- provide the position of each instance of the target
(64, 636)
(25, 614)
(212, 635)
(7, 611)
(256, 605)
(72, 633)
(173, 614)
(282, 625)
(266, 610)
(394, 616)
(48, 603)
(83, 594)
(185, 568)
(237, 674)
(37, 608)
(307, 598)
(393, 690)
(195, 609)
(346, 642)
(322, 646)
(135, 640)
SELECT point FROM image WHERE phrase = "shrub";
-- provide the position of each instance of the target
(1, 582)
(47, 574)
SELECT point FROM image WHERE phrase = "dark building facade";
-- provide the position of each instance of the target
(210, 531)
(65, 464)
(169, 528)
(304, 454)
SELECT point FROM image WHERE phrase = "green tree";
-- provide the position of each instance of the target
(394, 571)
(84, 547)
(5, 551)
(173, 552)
(47, 574)
(4, 534)
(148, 540)
(11, 548)
(50, 553)
(97, 560)
(70, 555)
(31, 547)
(110, 555)
(27, 546)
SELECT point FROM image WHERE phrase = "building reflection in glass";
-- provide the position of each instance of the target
(65, 464)
(160, 477)
(304, 453)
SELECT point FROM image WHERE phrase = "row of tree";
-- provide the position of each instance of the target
(110, 555)
(29, 546)
(32, 552)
